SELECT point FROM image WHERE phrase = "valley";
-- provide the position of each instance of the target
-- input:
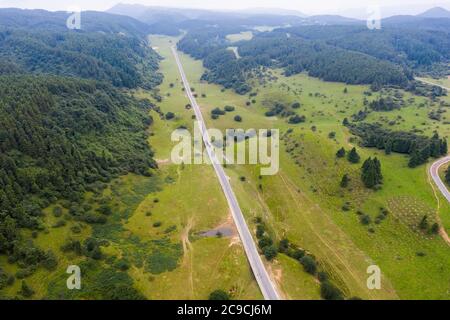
(88, 179)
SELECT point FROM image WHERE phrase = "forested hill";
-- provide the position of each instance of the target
(59, 137)
(411, 47)
(91, 21)
(294, 54)
(68, 125)
(121, 60)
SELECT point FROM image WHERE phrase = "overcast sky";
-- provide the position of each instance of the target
(350, 7)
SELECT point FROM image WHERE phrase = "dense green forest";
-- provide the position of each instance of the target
(67, 126)
(60, 136)
(123, 61)
(294, 54)
(41, 20)
(419, 148)
(407, 47)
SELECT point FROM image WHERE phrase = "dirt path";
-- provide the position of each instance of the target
(188, 253)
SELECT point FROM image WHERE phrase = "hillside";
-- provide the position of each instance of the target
(120, 60)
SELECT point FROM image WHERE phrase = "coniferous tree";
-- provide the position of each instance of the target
(371, 173)
(353, 156)
(341, 153)
(345, 181)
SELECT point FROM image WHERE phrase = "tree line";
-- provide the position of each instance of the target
(419, 148)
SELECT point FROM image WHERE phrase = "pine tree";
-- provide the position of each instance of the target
(353, 156)
(341, 153)
(423, 225)
(345, 181)
(371, 173)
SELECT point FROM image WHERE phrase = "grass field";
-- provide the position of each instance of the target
(246, 35)
(304, 201)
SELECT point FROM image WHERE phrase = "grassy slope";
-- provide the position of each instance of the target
(182, 203)
(305, 202)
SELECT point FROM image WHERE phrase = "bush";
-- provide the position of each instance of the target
(157, 224)
(365, 219)
(238, 118)
(265, 242)
(57, 212)
(270, 252)
(122, 265)
(229, 108)
(218, 112)
(296, 105)
(329, 292)
(170, 115)
(26, 290)
(297, 119)
(219, 295)
(309, 264)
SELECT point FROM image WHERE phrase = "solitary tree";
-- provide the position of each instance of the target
(371, 173)
(345, 181)
(341, 153)
(353, 156)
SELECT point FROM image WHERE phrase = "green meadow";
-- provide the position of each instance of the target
(305, 203)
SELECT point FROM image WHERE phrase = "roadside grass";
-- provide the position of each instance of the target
(190, 202)
(304, 201)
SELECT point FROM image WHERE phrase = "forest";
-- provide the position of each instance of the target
(59, 136)
(293, 54)
(123, 61)
(419, 148)
(67, 126)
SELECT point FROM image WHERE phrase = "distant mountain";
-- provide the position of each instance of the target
(90, 21)
(274, 11)
(332, 20)
(437, 12)
(196, 18)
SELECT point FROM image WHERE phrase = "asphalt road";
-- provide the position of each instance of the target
(434, 171)
(265, 283)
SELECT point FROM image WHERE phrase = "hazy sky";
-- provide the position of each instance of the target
(306, 6)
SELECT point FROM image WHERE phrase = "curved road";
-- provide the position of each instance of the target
(265, 283)
(434, 172)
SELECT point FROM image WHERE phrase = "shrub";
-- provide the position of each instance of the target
(353, 156)
(219, 295)
(170, 115)
(238, 118)
(229, 108)
(309, 264)
(26, 290)
(270, 252)
(330, 292)
(365, 219)
(157, 224)
(296, 105)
